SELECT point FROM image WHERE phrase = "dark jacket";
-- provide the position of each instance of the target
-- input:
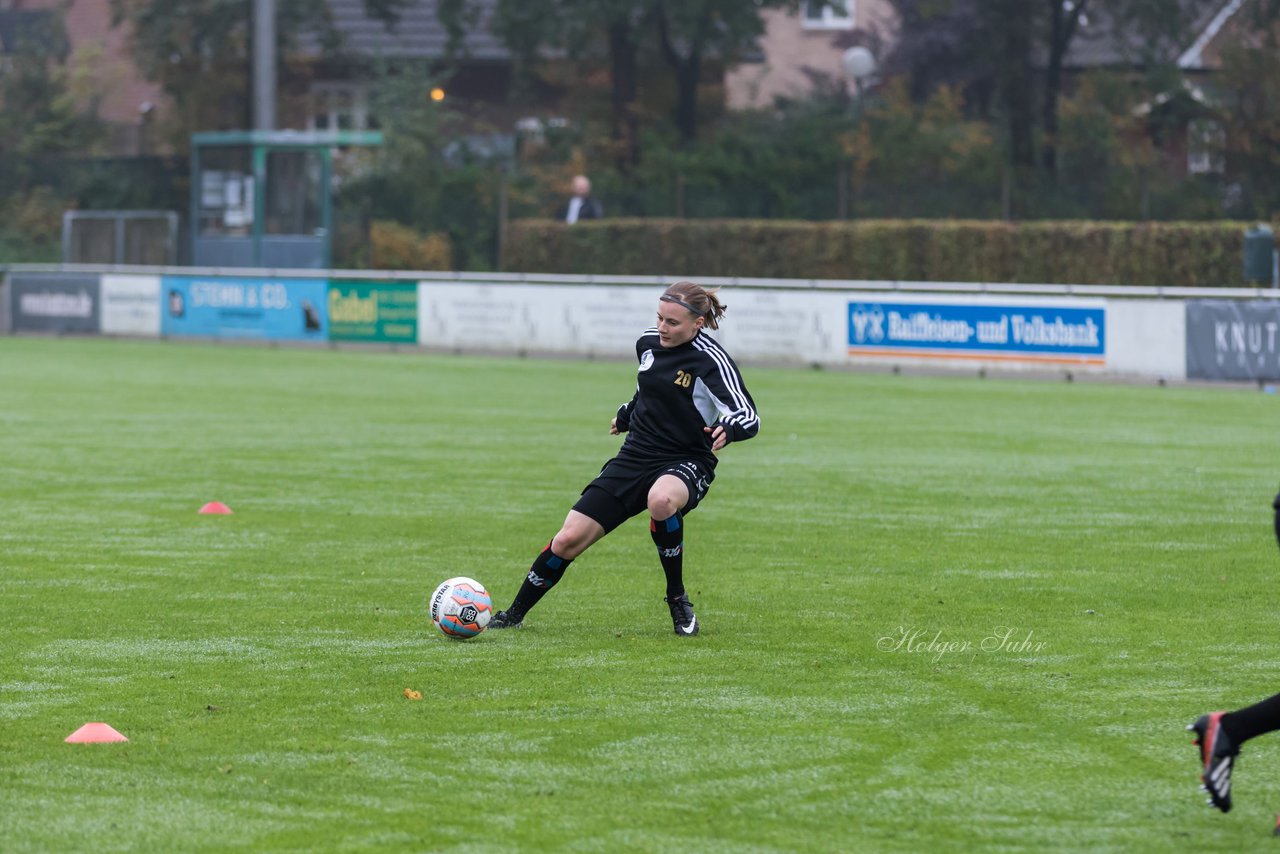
(679, 391)
(591, 209)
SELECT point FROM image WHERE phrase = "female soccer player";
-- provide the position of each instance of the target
(690, 402)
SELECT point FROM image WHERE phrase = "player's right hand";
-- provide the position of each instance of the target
(613, 426)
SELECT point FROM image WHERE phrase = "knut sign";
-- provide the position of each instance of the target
(1233, 339)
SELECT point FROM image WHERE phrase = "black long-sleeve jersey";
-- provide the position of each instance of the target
(680, 391)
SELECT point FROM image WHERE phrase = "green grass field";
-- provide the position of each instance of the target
(1117, 538)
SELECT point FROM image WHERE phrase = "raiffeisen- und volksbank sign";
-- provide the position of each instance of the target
(1030, 332)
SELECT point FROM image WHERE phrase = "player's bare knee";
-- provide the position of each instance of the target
(661, 506)
(571, 541)
(564, 544)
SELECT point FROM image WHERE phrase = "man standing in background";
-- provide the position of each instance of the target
(580, 204)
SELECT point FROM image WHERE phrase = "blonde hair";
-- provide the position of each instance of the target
(697, 299)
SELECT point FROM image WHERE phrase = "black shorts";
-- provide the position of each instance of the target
(621, 490)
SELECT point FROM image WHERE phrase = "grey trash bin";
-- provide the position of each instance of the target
(1259, 247)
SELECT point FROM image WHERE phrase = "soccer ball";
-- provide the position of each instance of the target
(461, 607)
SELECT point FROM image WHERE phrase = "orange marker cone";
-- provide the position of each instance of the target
(94, 733)
(216, 507)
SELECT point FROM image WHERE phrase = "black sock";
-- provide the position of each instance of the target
(1247, 723)
(547, 569)
(668, 536)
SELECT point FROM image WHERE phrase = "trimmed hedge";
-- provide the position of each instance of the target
(1186, 254)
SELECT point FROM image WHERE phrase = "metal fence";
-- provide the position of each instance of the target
(120, 237)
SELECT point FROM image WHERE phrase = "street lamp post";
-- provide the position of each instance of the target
(859, 64)
(264, 65)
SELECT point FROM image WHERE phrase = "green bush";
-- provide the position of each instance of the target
(396, 247)
(31, 227)
(1086, 253)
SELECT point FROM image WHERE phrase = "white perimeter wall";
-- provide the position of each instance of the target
(798, 326)
(802, 322)
(1147, 337)
(789, 324)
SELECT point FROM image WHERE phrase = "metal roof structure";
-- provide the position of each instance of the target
(1099, 44)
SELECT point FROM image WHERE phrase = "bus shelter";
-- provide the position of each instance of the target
(264, 198)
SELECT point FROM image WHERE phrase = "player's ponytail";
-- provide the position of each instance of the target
(702, 302)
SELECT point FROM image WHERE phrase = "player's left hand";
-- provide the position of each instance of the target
(719, 438)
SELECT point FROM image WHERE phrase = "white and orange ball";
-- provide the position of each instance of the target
(461, 607)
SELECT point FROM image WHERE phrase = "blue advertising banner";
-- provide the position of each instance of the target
(1023, 333)
(227, 307)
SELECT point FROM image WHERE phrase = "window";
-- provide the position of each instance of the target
(295, 193)
(828, 14)
(339, 106)
(1205, 142)
(226, 192)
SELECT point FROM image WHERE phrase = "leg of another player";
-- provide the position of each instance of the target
(1276, 505)
(1220, 734)
(1253, 721)
(575, 536)
(666, 525)
(1260, 718)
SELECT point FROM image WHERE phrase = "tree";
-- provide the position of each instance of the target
(46, 112)
(990, 50)
(618, 34)
(1064, 22)
(423, 177)
(691, 31)
(591, 32)
(200, 52)
(39, 114)
(941, 43)
(1014, 22)
(1250, 78)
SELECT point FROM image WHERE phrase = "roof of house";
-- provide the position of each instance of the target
(1098, 44)
(418, 32)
